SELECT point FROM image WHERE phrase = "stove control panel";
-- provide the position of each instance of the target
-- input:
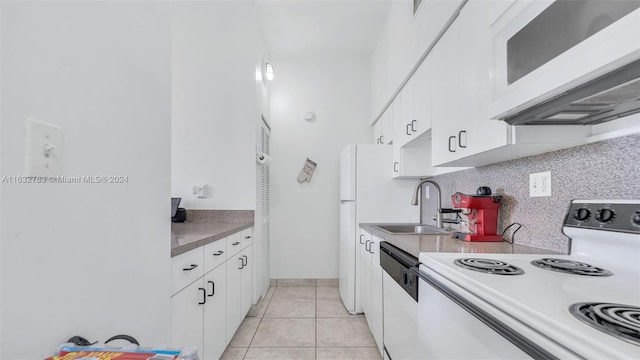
(613, 215)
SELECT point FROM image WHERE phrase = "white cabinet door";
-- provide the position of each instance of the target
(215, 310)
(453, 79)
(234, 294)
(186, 316)
(403, 125)
(377, 131)
(365, 288)
(383, 129)
(387, 129)
(397, 161)
(362, 238)
(246, 281)
(376, 294)
(422, 98)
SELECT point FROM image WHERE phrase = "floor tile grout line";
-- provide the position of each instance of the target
(260, 322)
(315, 323)
(315, 317)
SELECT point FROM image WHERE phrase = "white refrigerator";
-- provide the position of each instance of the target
(368, 194)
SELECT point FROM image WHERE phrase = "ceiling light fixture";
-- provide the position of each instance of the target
(269, 71)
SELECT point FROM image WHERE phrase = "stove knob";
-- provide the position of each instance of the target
(605, 215)
(582, 214)
(635, 218)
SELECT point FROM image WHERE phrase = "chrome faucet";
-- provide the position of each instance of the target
(416, 200)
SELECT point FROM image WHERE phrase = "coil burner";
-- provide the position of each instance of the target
(570, 267)
(489, 266)
(621, 321)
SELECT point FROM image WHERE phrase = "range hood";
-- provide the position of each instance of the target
(608, 97)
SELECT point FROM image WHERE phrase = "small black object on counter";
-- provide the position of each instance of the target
(178, 214)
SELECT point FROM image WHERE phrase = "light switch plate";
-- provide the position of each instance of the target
(540, 184)
(43, 149)
(200, 191)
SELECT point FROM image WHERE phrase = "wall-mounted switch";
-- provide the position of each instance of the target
(43, 149)
(540, 184)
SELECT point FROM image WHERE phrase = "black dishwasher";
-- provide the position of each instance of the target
(397, 263)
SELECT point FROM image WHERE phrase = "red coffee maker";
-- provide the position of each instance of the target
(482, 215)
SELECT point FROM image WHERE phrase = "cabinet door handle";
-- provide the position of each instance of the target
(460, 138)
(378, 140)
(204, 296)
(247, 237)
(236, 243)
(413, 125)
(370, 247)
(366, 245)
(213, 288)
(395, 166)
(193, 266)
(361, 235)
(245, 262)
(454, 144)
(241, 263)
(220, 252)
(381, 139)
(407, 130)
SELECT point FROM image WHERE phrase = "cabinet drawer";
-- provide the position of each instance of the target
(247, 237)
(185, 268)
(234, 244)
(215, 253)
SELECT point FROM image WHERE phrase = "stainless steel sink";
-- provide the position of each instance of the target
(412, 229)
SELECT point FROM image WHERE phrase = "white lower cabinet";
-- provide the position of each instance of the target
(209, 308)
(371, 285)
(198, 313)
(215, 308)
(239, 289)
(375, 316)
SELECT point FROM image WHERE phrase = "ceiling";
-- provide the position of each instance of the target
(311, 28)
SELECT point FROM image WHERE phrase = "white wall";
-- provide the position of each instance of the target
(304, 218)
(86, 259)
(216, 101)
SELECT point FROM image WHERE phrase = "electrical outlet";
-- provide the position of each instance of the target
(200, 191)
(540, 184)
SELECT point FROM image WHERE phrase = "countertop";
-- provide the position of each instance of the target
(416, 244)
(190, 235)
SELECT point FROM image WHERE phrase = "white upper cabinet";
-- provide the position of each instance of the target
(441, 117)
(403, 123)
(461, 88)
(383, 129)
(423, 79)
(463, 133)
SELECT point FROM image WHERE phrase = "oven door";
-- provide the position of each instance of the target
(455, 324)
(541, 49)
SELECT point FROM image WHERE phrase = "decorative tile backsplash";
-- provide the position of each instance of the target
(608, 169)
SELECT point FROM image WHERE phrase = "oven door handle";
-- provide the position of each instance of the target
(505, 331)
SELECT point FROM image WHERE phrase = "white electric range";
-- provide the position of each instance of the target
(582, 305)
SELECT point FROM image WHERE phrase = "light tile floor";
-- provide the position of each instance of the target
(302, 319)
